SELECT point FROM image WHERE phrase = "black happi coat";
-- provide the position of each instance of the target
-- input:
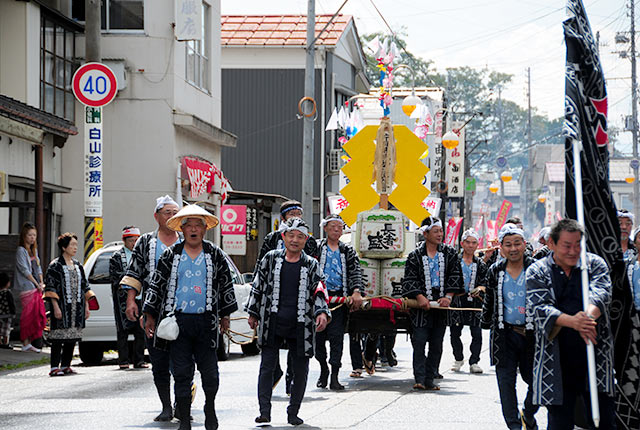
(351, 270)
(265, 297)
(274, 240)
(159, 298)
(117, 269)
(492, 316)
(416, 276)
(478, 279)
(57, 286)
(143, 262)
(541, 253)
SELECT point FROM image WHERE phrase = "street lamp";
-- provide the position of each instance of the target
(506, 176)
(542, 198)
(450, 140)
(494, 187)
(410, 103)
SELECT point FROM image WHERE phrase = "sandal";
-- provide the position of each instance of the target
(419, 386)
(370, 366)
(123, 366)
(142, 365)
(56, 372)
(69, 371)
(432, 387)
(356, 373)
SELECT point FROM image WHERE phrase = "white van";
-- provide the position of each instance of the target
(100, 332)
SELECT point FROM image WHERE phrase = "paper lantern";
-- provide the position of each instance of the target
(542, 198)
(506, 176)
(450, 140)
(629, 179)
(409, 104)
(494, 188)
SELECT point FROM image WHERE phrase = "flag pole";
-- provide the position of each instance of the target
(591, 354)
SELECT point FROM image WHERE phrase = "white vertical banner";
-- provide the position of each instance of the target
(188, 20)
(550, 208)
(93, 184)
(455, 165)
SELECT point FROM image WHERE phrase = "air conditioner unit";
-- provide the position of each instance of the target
(333, 161)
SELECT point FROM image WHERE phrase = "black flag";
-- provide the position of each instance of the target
(586, 121)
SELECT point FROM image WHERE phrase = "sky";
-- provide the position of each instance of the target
(507, 36)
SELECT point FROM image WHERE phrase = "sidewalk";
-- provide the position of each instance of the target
(15, 357)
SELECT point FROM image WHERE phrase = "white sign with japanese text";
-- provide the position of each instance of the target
(455, 165)
(93, 185)
(234, 244)
(432, 204)
(188, 20)
(336, 204)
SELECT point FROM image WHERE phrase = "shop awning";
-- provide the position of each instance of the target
(21, 181)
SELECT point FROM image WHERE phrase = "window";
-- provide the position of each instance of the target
(100, 271)
(197, 55)
(57, 65)
(115, 15)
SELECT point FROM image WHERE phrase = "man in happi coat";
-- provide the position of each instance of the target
(432, 274)
(474, 273)
(626, 220)
(192, 280)
(343, 278)
(504, 312)
(562, 329)
(118, 264)
(288, 302)
(625, 325)
(273, 240)
(144, 259)
(543, 239)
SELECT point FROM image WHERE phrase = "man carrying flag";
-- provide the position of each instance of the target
(586, 123)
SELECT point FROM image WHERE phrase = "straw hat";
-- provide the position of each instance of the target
(192, 211)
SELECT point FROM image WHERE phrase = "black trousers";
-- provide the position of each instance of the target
(456, 343)
(355, 351)
(193, 346)
(515, 357)
(425, 368)
(334, 333)
(62, 353)
(138, 345)
(160, 365)
(300, 367)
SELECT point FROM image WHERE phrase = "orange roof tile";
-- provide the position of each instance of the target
(273, 30)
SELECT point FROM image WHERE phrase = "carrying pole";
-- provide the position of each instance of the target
(591, 354)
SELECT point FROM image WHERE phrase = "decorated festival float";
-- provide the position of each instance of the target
(386, 197)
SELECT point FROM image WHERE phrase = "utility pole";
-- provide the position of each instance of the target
(92, 54)
(634, 107)
(307, 136)
(526, 197)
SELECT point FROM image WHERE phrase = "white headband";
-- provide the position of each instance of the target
(426, 228)
(330, 218)
(627, 215)
(509, 229)
(470, 233)
(131, 232)
(296, 224)
(164, 200)
(634, 234)
(545, 233)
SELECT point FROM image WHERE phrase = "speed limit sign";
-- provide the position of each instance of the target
(94, 84)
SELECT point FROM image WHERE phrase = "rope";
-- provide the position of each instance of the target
(404, 303)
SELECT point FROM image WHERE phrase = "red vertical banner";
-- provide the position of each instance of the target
(453, 229)
(502, 214)
(491, 231)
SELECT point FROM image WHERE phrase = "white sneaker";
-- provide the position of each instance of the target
(457, 365)
(474, 368)
(30, 348)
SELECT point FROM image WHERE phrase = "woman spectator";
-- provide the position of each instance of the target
(28, 282)
(69, 293)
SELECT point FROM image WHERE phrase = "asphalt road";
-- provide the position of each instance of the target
(102, 397)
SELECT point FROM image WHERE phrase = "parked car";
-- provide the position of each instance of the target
(99, 334)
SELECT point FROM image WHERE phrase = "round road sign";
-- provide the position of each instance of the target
(634, 164)
(94, 84)
(501, 162)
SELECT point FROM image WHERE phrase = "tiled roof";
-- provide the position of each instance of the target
(35, 117)
(555, 171)
(618, 170)
(279, 30)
